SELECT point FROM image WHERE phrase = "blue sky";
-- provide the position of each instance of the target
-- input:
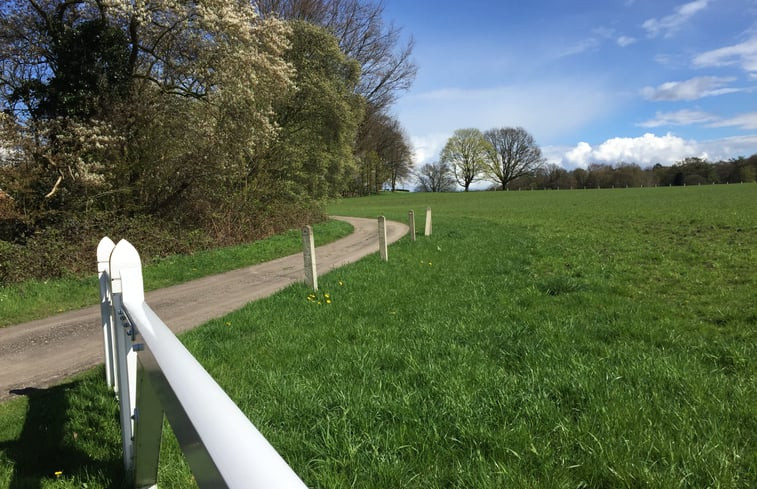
(616, 80)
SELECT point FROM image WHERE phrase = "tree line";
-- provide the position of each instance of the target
(222, 121)
(510, 159)
(689, 171)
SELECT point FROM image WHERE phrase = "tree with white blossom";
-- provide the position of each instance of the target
(92, 86)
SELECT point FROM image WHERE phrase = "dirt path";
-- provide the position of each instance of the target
(42, 353)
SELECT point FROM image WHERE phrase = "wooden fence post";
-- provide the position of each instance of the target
(382, 238)
(411, 222)
(311, 273)
(427, 231)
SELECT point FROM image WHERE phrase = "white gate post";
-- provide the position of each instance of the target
(382, 238)
(308, 251)
(427, 231)
(104, 250)
(125, 357)
(147, 411)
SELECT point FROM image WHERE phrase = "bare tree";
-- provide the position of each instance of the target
(466, 152)
(435, 177)
(513, 154)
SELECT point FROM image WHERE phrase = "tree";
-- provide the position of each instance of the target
(385, 60)
(157, 101)
(600, 176)
(466, 152)
(693, 171)
(319, 120)
(435, 177)
(513, 154)
(628, 175)
(386, 65)
(395, 151)
(388, 159)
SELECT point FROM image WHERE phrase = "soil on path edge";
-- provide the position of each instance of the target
(42, 353)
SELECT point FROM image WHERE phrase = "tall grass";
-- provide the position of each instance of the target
(536, 339)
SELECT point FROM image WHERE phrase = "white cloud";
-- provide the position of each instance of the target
(580, 47)
(679, 118)
(645, 150)
(692, 89)
(667, 26)
(426, 148)
(624, 41)
(743, 54)
(746, 122)
(732, 147)
(650, 149)
(580, 155)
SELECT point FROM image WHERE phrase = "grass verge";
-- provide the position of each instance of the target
(35, 299)
(536, 339)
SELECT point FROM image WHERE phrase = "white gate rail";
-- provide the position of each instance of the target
(152, 373)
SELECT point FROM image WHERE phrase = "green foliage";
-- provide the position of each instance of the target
(314, 149)
(467, 152)
(385, 155)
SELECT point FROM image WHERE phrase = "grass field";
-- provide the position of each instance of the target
(598, 338)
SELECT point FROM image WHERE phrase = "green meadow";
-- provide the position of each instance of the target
(552, 339)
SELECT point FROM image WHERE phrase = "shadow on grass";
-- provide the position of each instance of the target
(45, 447)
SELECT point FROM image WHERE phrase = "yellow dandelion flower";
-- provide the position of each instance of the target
(328, 301)
(341, 283)
(58, 473)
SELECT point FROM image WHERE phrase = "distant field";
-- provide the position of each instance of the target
(589, 338)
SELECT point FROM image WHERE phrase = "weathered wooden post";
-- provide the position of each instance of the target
(382, 238)
(308, 244)
(427, 231)
(411, 222)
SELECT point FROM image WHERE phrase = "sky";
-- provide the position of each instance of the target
(636, 81)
